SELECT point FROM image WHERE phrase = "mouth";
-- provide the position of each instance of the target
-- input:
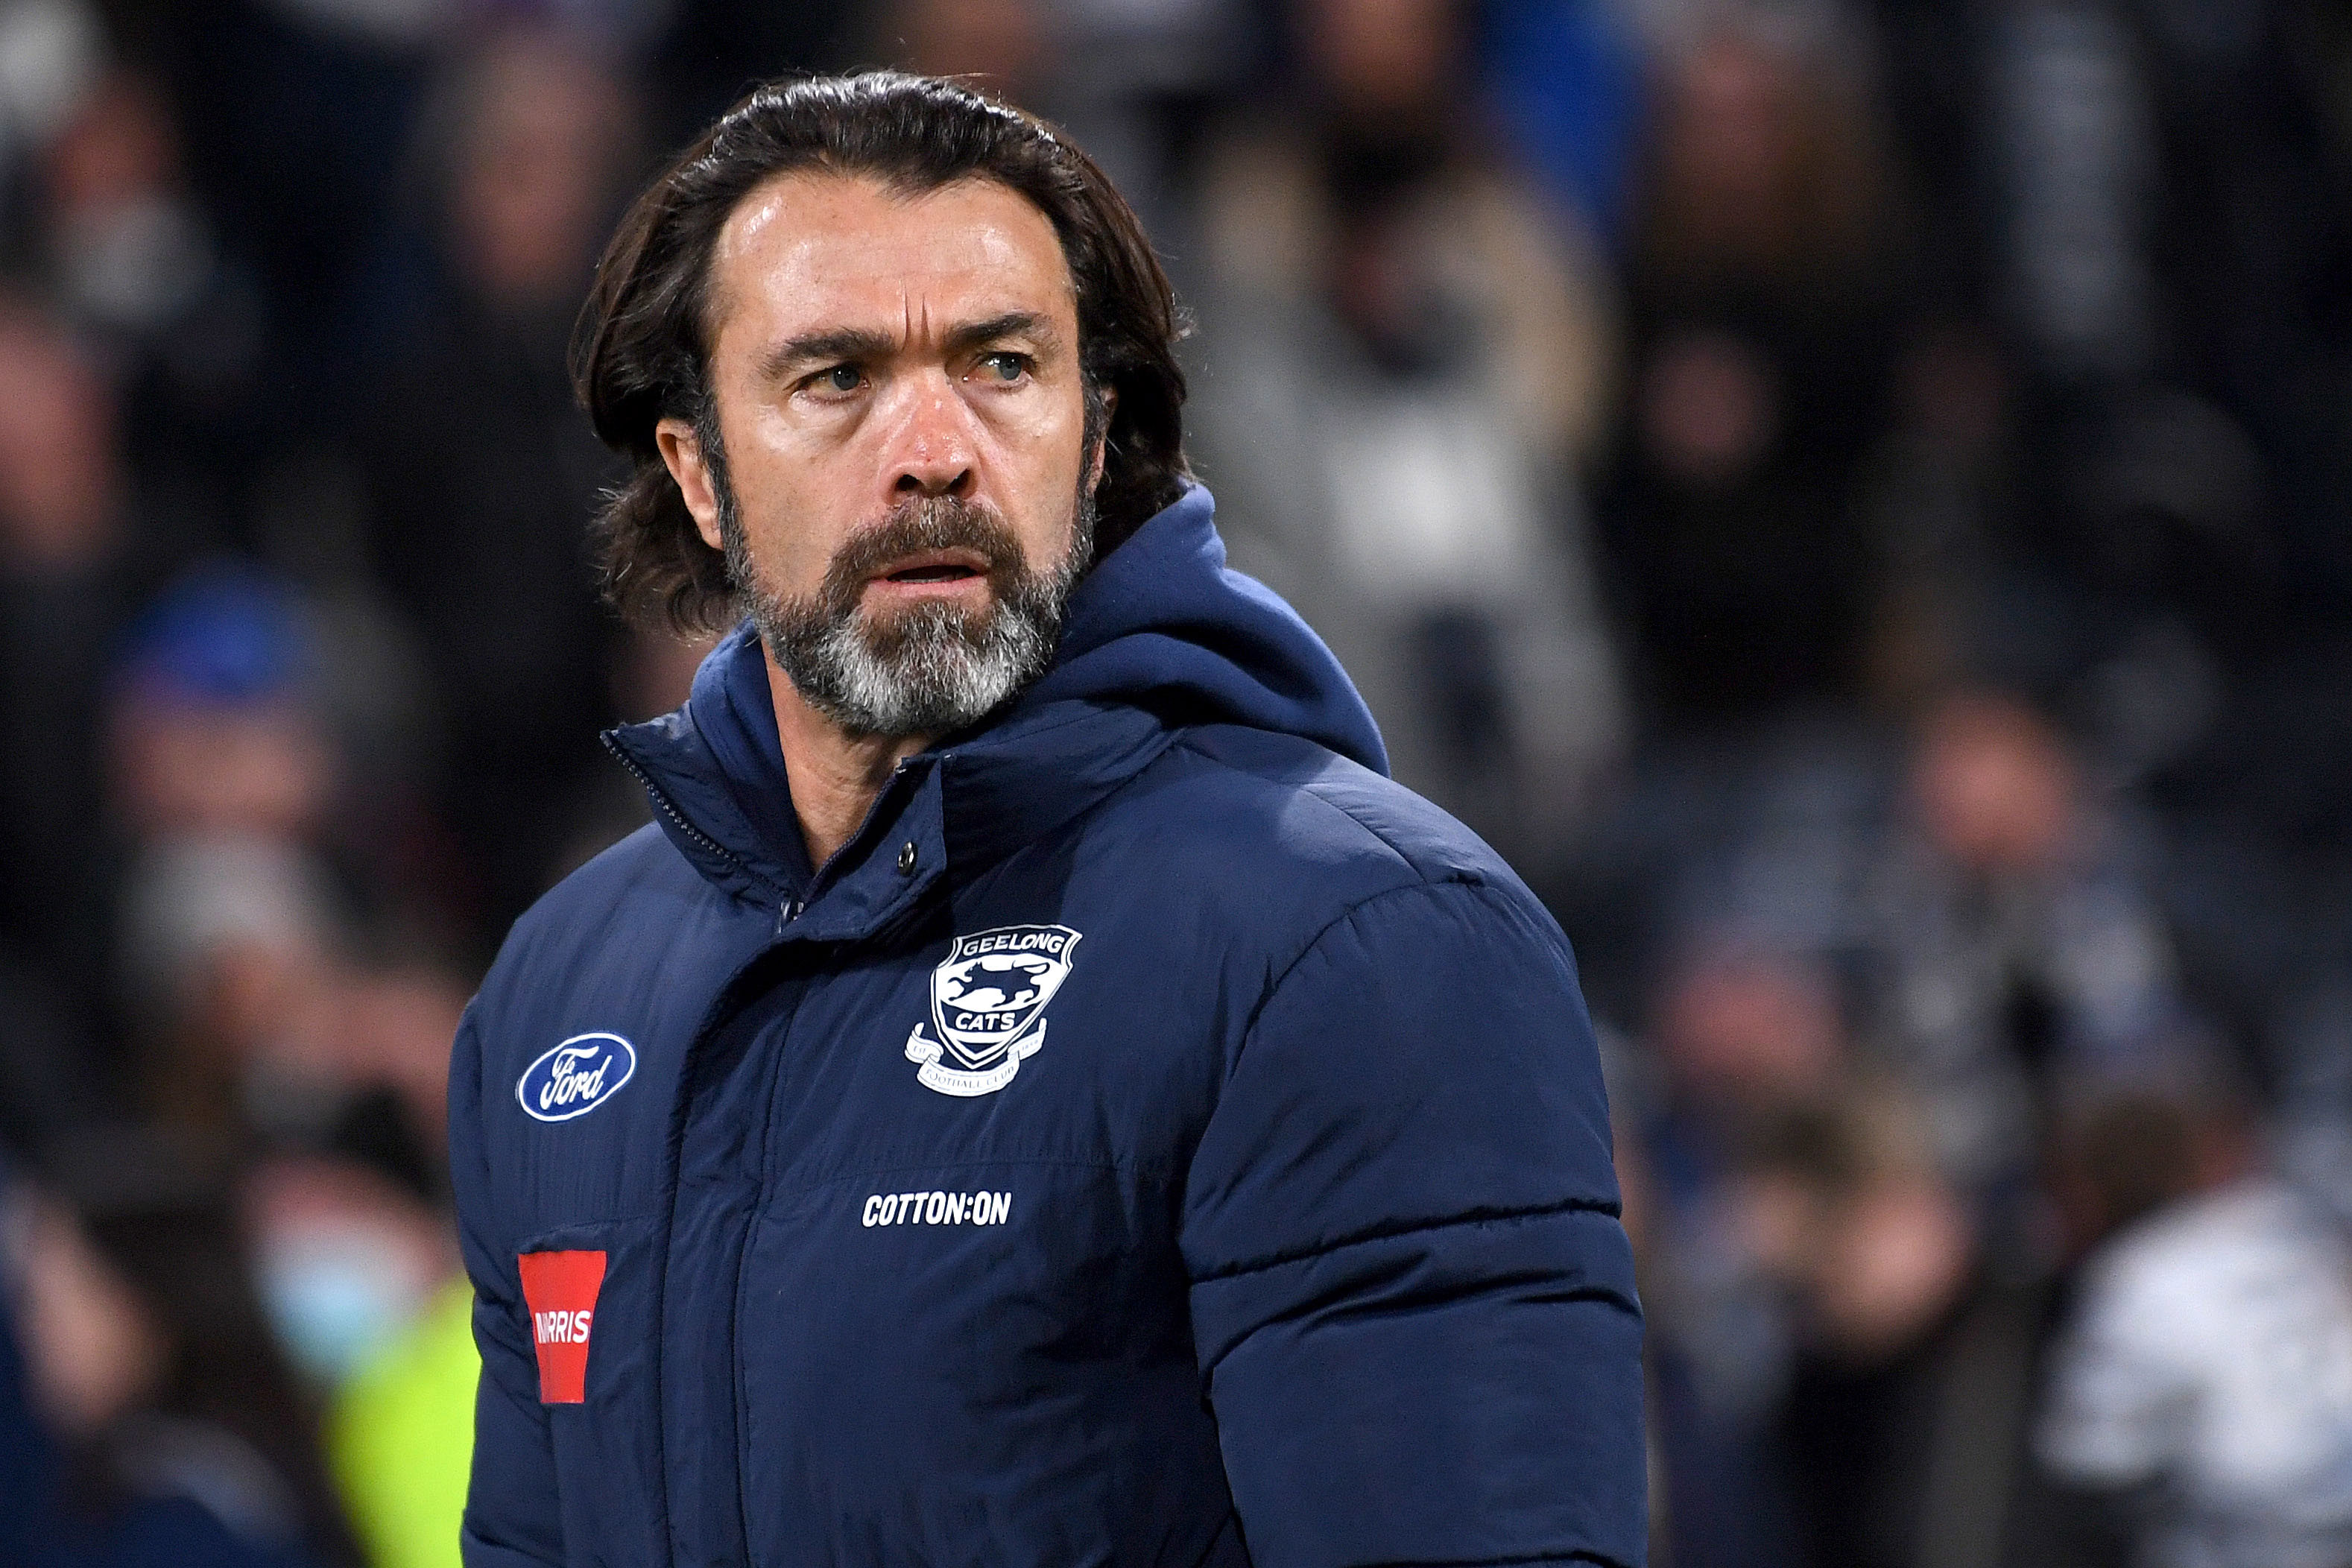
(933, 568)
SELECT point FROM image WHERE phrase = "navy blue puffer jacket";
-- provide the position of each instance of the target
(1155, 1138)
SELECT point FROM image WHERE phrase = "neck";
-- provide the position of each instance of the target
(835, 774)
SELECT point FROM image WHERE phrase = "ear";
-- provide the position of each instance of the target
(1101, 454)
(681, 454)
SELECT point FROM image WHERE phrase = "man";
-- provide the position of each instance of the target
(1037, 1094)
(2198, 1401)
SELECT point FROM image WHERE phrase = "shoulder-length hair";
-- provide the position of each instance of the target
(640, 353)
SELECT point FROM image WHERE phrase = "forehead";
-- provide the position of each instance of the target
(808, 251)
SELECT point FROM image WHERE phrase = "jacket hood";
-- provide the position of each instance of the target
(1159, 633)
(1162, 623)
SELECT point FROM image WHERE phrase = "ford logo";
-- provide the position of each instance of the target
(577, 1077)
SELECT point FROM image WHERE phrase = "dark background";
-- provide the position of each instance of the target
(1850, 497)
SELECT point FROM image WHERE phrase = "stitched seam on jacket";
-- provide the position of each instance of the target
(1600, 1294)
(1578, 1556)
(1273, 986)
(1186, 741)
(1362, 1238)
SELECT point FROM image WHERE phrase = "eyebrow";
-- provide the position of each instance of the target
(827, 345)
(831, 345)
(1010, 324)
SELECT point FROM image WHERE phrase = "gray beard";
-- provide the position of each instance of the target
(937, 667)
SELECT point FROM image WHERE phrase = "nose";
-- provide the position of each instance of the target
(934, 454)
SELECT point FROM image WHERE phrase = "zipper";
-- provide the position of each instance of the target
(661, 799)
(786, 913)
(898, 771)
(790, 909)
(715, 1016)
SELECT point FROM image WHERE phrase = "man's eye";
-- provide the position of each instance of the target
(1005, 366)
(840, 378)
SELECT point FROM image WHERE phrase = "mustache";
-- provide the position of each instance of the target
(931, 522)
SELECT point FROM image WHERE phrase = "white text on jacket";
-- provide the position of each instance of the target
(559, 1328)
(937, 1208)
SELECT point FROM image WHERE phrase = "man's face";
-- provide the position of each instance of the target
(904, 454)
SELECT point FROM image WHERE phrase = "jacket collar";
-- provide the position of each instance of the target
(714, 774)
(1159, 634)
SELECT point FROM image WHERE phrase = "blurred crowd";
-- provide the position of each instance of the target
(1852, 497)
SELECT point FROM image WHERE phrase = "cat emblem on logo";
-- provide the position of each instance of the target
(988, 1006)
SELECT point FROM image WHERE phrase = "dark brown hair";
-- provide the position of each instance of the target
(641, 353)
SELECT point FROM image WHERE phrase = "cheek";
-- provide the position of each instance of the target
(788, 556)
(795, 505)
(1047, 468)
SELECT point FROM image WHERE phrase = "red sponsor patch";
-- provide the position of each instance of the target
(560, 1289)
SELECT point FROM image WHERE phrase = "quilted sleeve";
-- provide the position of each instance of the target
(1412, 1301)
(512, 1517)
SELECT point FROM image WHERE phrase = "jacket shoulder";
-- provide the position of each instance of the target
(623, 905)
(1293, 800)
(1273, 839)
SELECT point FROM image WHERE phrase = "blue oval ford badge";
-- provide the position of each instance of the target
(577, 1077)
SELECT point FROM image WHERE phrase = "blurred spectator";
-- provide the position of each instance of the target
(2163, 194)
(185, 1437)
(239, 925)
(2199, 1405)
(1938, 497)
(402, 1435)
(2078, 168)
(1567, 75)
(1742, 1034)
(397, 1025)
(2310, 1131)
(129, 255)
(2145, 197)
(1914, 354)
(1765, 312)
(2009, 934)
(228, 954)
(230, 917)
(360, 1272)
(1409, 352)
(1903, 1435)
(124, 249)
(1138, 83)
(480, 474)
(215, 731)
(1005, 46)
(51, 52)
(1148, 87)
(294, 114)
(345, 1259)
(76, 553)
(62, 488)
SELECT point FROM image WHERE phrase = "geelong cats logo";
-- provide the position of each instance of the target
(988, 1006)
